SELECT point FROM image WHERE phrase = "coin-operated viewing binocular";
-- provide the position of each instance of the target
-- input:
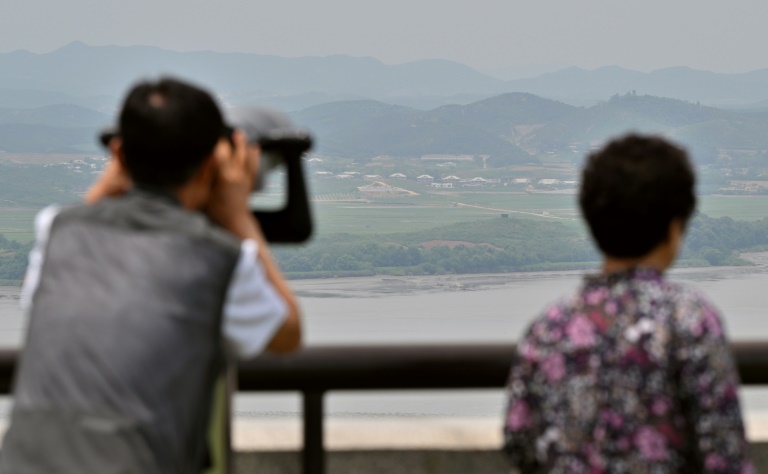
(282, 147)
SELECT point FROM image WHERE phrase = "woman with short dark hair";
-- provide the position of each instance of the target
(632, 374)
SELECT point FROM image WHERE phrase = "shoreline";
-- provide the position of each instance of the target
(387, 285)
(411, 284)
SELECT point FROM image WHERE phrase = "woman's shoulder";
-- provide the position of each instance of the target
(694, 314)
(549, 327)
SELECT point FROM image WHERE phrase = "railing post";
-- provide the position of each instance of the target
(313, 456)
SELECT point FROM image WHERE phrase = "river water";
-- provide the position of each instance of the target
(453, 309)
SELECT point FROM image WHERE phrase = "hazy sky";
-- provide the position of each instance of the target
(717, 35)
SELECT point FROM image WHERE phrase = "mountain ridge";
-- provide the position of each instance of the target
(97, 76)
(511, 128)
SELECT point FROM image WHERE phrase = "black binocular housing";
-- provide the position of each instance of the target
(281, 143)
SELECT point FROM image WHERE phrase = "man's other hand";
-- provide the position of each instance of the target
(236, 165)
(114, 180)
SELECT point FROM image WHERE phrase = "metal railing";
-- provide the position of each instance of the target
(315, 371)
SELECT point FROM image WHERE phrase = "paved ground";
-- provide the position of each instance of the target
(405, 433)
(341, 434)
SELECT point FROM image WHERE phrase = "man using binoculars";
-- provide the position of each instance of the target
(134, 297)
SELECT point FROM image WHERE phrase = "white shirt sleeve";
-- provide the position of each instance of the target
(43, 222)
(253, 309)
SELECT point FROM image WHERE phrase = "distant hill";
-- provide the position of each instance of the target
(97, 76)
(512, 128)
(703, 129)
(363, 129)
(60, 115)
(106, 71)
(23, 138)
(511, 116)
(31, 98)
(329, 119)
(575, 85)
(621, 114)
(59, 128)
(513, 108)
(518, 126)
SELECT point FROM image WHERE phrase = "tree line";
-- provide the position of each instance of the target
(501, 245)
(13, 259)
(490, 246)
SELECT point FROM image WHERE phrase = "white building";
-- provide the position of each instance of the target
(377, 188)
(446, 158)
(425, 178)
(398, 176)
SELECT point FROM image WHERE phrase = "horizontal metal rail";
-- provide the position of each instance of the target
(379, 368)
(419, 367)
(317, 370)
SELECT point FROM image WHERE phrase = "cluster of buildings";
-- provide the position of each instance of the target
(455, 181)
(91, 165)
(346, 175)
(447, 182)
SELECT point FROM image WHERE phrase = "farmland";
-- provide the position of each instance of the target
(339, 208)
(359, 233)
(17, 224)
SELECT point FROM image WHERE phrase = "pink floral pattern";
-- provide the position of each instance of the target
(581, 331)
(631, 375)
(554, 367)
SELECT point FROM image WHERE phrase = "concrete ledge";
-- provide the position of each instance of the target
(400, 434)
(375, 462)
(354, 434)
(405, 461)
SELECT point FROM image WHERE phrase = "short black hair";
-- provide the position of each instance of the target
(632, 190)
(168, 127)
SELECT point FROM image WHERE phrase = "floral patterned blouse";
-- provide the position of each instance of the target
(631, 375)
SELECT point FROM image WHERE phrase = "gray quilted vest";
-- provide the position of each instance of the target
(124, 342)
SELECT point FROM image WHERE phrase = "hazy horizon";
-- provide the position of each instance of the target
(504, 73)
(494, 36)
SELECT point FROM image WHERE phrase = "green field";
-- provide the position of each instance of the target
(431, 210)
(736, 207)
(408, 214)
(339, 208)
(17, 224)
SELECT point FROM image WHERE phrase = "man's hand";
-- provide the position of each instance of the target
(114, 181)
(235, 172)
